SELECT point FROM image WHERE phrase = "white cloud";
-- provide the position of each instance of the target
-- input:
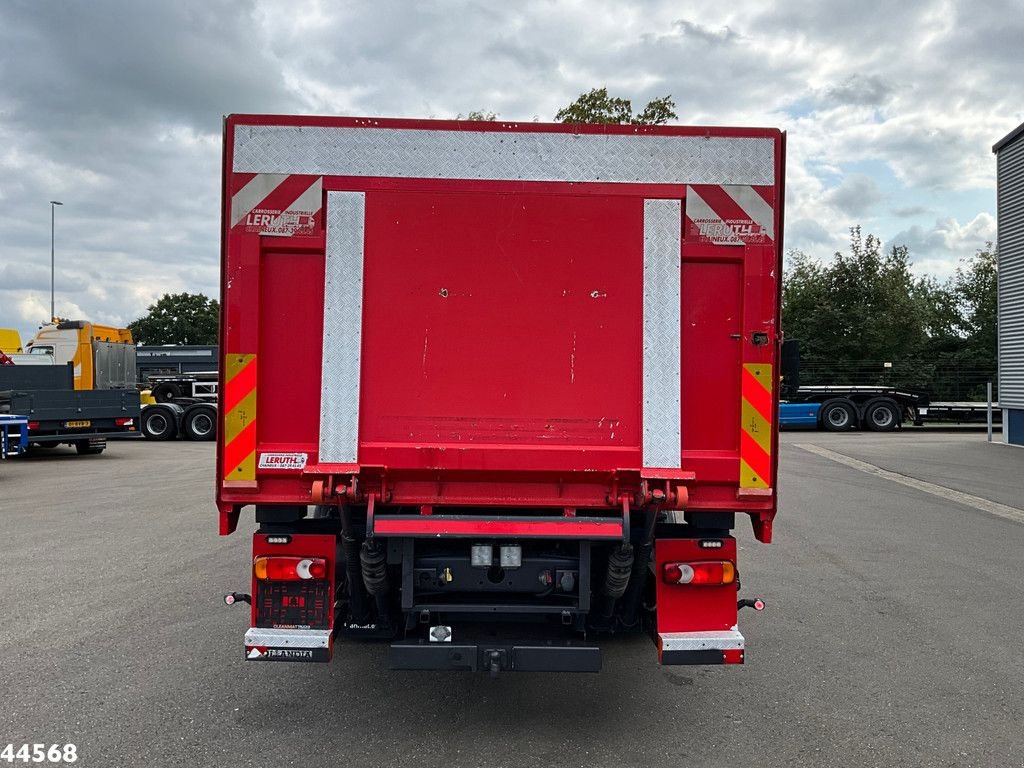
(115, 108)
(856, 195)
(937, 249)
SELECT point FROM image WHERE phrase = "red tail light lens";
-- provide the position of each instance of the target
(713, 573)
(33, 425)
(289, 568)
(124, 422)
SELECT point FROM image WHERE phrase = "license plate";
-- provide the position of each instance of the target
(75, 424)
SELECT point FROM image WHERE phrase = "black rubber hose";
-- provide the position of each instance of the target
(638, 578)
(373, 558)
(620, 565)
(357, 602)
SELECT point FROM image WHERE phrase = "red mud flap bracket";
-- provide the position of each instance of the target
(720, 647)
(288, 644)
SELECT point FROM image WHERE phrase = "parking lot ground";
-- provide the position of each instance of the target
(892, 635)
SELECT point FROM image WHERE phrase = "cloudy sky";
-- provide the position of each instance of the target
(115, 109)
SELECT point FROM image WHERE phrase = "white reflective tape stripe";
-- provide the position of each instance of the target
(710, 224)
(723, 640)
(662, 357)
(288, 638)
(252, 194)
(754, 206)
(309, 201)
(503, 155)
(343, 328)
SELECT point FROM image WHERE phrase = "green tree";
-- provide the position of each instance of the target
(598, 107)
(975, 287)
(973, 292)
(859, 312)
(178, 318)
(865, 309)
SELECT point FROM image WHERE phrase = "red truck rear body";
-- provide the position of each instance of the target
(499, 330)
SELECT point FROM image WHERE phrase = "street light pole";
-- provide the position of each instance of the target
(53, 203)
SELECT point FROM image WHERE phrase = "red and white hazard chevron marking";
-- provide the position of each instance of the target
(276, 203)
(729, 214)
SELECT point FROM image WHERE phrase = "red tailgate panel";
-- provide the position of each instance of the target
(522, 314)
(501, 320)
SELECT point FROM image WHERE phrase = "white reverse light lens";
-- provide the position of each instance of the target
(686, 573)
(302, 568)
(481, 555)
(511, 556)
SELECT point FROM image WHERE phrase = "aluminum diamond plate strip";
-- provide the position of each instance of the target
(343, 324)
(292, 638)
(662, 333)
(503, 155)
(701, 641)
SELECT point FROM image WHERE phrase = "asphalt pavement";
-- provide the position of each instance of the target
(892, 635)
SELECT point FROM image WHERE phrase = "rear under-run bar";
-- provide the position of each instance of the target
(475, 526)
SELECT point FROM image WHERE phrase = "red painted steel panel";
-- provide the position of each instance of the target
(292, 297)
(490, 320)
(712, 348)
(300, 545)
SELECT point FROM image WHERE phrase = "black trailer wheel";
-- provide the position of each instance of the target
(837, 415)
(165, 392)
(159, 423)
(90, 447)
(200, 423)
(882, 416)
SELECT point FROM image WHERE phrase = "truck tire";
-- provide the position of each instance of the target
(165, 392)
(882, 415)
(158, 423)
(90, 447)
(839, 415)
(200, 423)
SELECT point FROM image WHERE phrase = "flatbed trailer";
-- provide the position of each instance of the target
(838, 408)
(57, 414)
(535, 389)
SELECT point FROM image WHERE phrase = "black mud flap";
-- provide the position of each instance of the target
(492, 657)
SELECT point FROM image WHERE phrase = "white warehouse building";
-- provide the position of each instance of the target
(1009, 153)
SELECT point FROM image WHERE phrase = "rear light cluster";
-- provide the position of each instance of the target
(713, 573)
(123, 421)
(289, 568)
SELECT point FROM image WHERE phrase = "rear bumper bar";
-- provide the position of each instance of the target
(467, 526)
(721, 647)
(496, 657)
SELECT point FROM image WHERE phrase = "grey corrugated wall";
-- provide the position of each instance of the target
(1010, 214)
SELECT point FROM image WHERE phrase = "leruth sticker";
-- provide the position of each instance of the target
(282, 460)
